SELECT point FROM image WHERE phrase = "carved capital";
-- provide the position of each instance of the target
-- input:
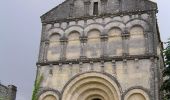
(47, 42)
(83, 39)
(104, 37)
(63, 40)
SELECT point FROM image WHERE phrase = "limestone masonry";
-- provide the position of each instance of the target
(100, 50)
(7, 92)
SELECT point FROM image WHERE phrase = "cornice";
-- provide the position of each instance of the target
(101, 59)
(52, 21)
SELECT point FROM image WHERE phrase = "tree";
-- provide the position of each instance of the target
(166, 73)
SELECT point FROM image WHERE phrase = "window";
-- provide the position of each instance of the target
(95, 8)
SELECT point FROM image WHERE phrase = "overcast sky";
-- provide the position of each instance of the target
(20, 29)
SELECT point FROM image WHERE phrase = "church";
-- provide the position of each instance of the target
(100, 50)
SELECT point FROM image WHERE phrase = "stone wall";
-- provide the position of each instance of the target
(94, 38)
(7, 93)
(117, 52)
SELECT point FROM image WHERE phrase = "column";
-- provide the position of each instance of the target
(114, 67)
(104, 39)
(46, 51)
(125, 43)
(63, 49)
(41, 52)
(83, 45)
(146, 43)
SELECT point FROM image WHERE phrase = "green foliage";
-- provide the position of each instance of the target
(37, 87)
(166, 73)
(1, 98)
(4, 98)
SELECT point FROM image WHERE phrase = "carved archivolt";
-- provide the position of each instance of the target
(136, 94)
(95, 40)
(49, 95)
(91, 86)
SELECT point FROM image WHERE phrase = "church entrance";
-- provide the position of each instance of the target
(91, 86)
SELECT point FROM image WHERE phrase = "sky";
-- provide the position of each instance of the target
(20, 31)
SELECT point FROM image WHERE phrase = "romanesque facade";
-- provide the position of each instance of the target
(100, 50)
(7, 92)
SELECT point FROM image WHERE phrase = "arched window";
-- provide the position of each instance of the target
(54, 47)
(136, 96)
(73, 46)
(49, 97)
(137, 41)
(93, 44)
(114, 42)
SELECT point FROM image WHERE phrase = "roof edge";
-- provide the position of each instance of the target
(87, 17)
(53, 8)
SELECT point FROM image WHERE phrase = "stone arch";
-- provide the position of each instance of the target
(137, 40)
(138, 22)
(49, 97)
(115, 47)
(92, 85)
(74, 28)
(54, 36)
(93, 49)
(137, 30)
(54, 48)
(73, 45)
(137, 93)
(114, 24)
(55, 30)
(94, 26)
(49, 94)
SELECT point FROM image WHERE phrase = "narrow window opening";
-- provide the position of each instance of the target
(95, 8)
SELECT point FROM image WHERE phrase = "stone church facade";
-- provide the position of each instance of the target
(100, 50)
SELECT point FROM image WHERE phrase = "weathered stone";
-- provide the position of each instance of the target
(112, 55)
(7, 92)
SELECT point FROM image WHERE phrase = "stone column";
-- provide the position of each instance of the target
(83, 45)
(91, 66)
(42, 44)
(125, 43)
(150, 42)
(156, 79)
(41, 52)
(46, 51)
(102, 66)
(146, 43)
(80, 67)
(104, 39)
(63, 48)
(114, 68)
(152, 80)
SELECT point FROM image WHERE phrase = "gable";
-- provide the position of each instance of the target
(84, 8)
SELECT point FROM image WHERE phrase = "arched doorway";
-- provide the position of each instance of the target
(91, 86)
(49, 97)
(136, 94)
